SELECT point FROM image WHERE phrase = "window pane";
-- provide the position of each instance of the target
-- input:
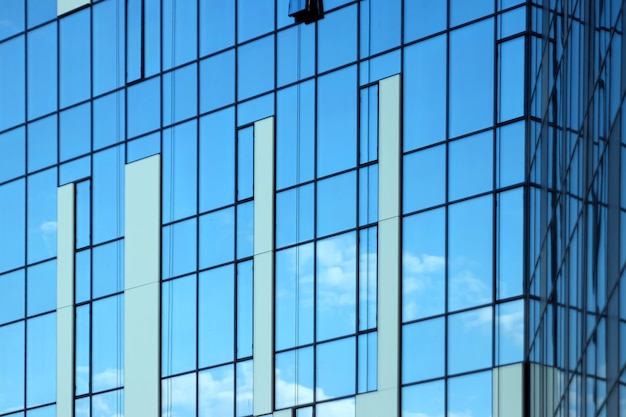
(179, 325)
(368, 195)
(217, 320)
(510, 150)
(335, 368)
(368, 362)
(510, 332)
(336, 204)
(42, 85)
(343, 408)
(12, 367)
(424, 399)
(12, 225)
(108, 269)
(42, 288)
(295, 58)
(217, 26)
(423, 350)
(510, 243)
(109, 120)
(217, 238)
(244, 378)
(255, 67)
(173, 389)
(12, 18)
(41, 360)
(180, 94)
(511, 79)
(424, 179)
(216, 390)
(462, 11)
(108, 194)
(244, 309)
(380, 29)
(180, 32)
(254, 18)
(470, 394)
(12, 154)
(294, 216)
(179, 248)
(217, 160)
(42, 143)
(180, 172)
(368, 278)
(108, 404)
(144, 107)
(337, 38)
(423, 18)
(75, 51)
(12, 290)
(294, 378)
(108, 46)
(217, 80)
(83, 349)
(12, 82)
(469, 340)
(245, 163)
(470, 163)
(107, 354)
(75, 132)
(368, 134)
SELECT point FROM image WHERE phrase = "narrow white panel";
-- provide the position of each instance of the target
(377, 403)
(65, 299)
(142, 246)
(66, 6)
(282, 413)
(263, 266)
(508, 391)
(389, 244)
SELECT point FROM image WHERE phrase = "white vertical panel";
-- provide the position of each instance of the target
(263, 266)
(66, 6)
(65, 299)
(508, 391)
(142, 288)
(389, 154)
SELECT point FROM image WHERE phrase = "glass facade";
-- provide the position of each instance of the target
(508, 253)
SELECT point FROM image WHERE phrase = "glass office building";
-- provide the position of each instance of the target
(368, 208)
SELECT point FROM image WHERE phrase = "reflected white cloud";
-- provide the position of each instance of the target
(512, 326)
(336, 273)
(467, 289)
(422, 284)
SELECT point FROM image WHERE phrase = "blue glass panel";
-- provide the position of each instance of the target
(336, 286)
(178, 328)
(336, 204)
(244, 398)
(470, 165)
(217, 25)
(107, 354)
(134, 40)
(82, 276)
(152, 37)
(368, 278)
(510, 149)
(254, 18)
(42, 85)
(335, 368)
(470, 394)
(82, 346)
(245, 163)
(368, 362)
(295, 134)
(294, 297)
(12, 290)
(175, 388)
(49, 411)
(244, 309)
(510, 332)
(423, 265)
(109, 120)
(108, 46)
(462, 11)
(82, 407)
(217, 240)
(12, 82)
(83, 214)
(40, 11)
(511, 79)
(217, 81)
(296, 57)
(424, 86)
(42, 287)
(294, 215)
(12, 154)
(469, 340)
(180, 32)
(344, 408)
(12, 18)
(217, 160)
(75, 51)
(510, 224)
(336, 121)
(423, 18)
(216, 332)
(75, 132)
(143, 147)
(108, 194)
(180, 171)
(368, 123)
(511, 23)
(294, 378)
(77, 170)
(424, 179)
(423, 350)
(144, 107)
(42, 143)
(471, 77)
(470, 280)
(108, 404)
(42, 215)
(380, 29)
(337, 39)
(108, 269)
(216, 388)
(255, 67)
(254, 110)
(180, 94)
(41, 360)
(424, 399)
(12, 225)
(12, 367)
(179, 248)
(245, 229)
(383, 66)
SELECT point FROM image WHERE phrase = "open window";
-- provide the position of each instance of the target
(306, 11)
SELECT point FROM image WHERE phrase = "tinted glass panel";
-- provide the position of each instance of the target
(217, 316)
(41, 360)
(12, 82)
(469, 340)
(178, 325)
(42, 85)
(75, 51)
(42, 215)
(470, 163)
(424, 179)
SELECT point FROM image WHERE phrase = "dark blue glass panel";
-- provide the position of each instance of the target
(179, 248)
(134, 40)
(42, 143)
(471, 77)
(40, 11)
(336, 122)
(217, 25)
(108, 46)
(42, 288)
(12, 154)
(337, 39)
(254, 18)
(178, 325)
(296, 57)
(255, 68)
(380, 28)
(294, 215)
(510, 226)
(217, 160)
(42, 71)
(12, 367)
(42, 215)
(217, 240)
(12, 82)
(462, 11)
(12, 225)
(108, 120)
(423, 18)
(75, 51)
(41, 360)
(510, 159)
(152, 37)
(75, 131)
(180, 94)
(180, 172)
(180, 32)
(512, 23)
(217, 316)
(144, 107)
(245, 163)
(12, 18)
(108, 194)
(511, 79)
(217, 81)
(382, 66)
(83, 347)
(424, 85)
(12, 290)
(510, 332)
(424, 179)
